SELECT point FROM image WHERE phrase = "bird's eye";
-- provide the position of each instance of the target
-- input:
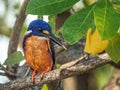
(45, 32)
(40, 30)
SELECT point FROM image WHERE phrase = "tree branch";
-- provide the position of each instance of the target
(81, 67)
(14, 39)
(7, 72)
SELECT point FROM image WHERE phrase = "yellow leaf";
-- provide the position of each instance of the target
(94, 44)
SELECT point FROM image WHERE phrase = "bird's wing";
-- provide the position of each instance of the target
(52, 51)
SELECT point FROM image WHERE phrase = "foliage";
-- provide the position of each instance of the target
(75, 27)
(107, 25)
(103, 14)
(48, 7)
(14, 58)
(113, 48)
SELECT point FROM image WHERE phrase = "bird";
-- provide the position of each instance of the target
(38, 47)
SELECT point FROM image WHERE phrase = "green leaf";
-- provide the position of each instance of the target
(52, 19)
(116, 4)
(113, 48)
(106, 19)
(45, 87)
(14, 58)
(58, 65)
(48, 7)
(76, 26)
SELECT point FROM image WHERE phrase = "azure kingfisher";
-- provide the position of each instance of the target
(38, 47)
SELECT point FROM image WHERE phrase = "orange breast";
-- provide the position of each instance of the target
(38, 53)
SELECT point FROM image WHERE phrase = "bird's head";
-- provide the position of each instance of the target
(42, 28)
(38, 26)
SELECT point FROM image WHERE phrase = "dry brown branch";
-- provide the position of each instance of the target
(14, 39)
(7, 72)
(81, 67)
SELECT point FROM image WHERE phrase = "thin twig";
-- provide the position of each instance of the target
(67, 65)
(7, 73)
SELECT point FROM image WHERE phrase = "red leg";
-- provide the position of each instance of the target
(43, 73)
(33, 75)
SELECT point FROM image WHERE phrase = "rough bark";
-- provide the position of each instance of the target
(65, 71)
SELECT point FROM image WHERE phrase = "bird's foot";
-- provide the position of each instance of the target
(43, 73)
(33, 75)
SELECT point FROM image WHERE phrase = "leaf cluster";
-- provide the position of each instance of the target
(102, 15)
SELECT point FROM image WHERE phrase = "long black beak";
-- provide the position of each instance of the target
(56, 40)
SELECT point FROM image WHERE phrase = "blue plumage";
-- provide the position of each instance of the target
(39, 25)
(36, 26)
